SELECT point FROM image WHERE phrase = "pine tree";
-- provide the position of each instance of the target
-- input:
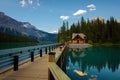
(67, 31)
(96, 31)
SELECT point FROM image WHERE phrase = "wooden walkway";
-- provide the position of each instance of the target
(37, 70)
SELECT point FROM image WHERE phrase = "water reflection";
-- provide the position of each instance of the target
(98, 58)
(80, 73)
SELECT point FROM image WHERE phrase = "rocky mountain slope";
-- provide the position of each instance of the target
(12, 26)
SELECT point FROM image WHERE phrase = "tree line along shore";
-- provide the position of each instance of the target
(98, 31)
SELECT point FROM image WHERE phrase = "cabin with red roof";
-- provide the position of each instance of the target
(78, 38)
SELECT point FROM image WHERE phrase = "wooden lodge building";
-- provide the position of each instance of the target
(78, 38)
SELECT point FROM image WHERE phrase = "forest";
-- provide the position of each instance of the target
(8, 38)
(96, 30)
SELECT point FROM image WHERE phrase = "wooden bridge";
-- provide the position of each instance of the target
(34, 67)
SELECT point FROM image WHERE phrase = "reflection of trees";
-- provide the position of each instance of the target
(65, 64)
(98, 57)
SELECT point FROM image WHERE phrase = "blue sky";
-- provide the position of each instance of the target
(48, 15)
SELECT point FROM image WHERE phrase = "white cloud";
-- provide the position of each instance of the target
(64, 17)
(30, 2)
(79, 12)
(92, 7)
(23, 3)
(54, 32)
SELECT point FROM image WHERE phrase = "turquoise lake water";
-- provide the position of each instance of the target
(15, 45)
(94, 63)
(18, 45)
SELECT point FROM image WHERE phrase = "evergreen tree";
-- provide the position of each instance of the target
(72, 29)
(67, 31)
(96, 31)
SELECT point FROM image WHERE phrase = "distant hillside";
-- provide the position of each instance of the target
(13, 38)
(11, 26)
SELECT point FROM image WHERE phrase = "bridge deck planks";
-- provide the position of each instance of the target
(37, 70)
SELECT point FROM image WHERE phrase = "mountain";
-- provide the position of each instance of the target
(12, 26)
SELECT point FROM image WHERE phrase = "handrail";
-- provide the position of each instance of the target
(23, 54)
(57, 72)
(59, 53)
(55, 62)
(18, 50)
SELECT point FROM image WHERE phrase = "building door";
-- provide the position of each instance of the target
(77, 41)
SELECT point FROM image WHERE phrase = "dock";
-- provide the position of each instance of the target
(79, 46)
(37, 70)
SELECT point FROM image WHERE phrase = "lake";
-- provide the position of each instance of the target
(21, 44)
(15, 45)
(93, 63)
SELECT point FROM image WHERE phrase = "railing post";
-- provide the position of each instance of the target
(52, 48)
(16, 63)
(51, 59)
(10, 54)
(49, 49)
(60, 48)
(41, 52)
(32, 56)
(46, 50)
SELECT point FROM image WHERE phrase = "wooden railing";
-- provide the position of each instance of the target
(56, 72)
(55, 64)
(12, 58)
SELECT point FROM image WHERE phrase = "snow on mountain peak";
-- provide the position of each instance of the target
(28, 25)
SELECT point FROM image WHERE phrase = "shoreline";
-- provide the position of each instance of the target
(80, 45)
(105, 44)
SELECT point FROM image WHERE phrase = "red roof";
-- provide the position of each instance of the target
(78, 35)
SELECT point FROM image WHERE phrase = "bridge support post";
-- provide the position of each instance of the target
(46, 50)
(49, 49)
(52, 48)
(51, 59)
(16, 63)
(60, 48)
(32, 56)
(40, 52)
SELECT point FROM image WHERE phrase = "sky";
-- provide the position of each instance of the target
(48, 15)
